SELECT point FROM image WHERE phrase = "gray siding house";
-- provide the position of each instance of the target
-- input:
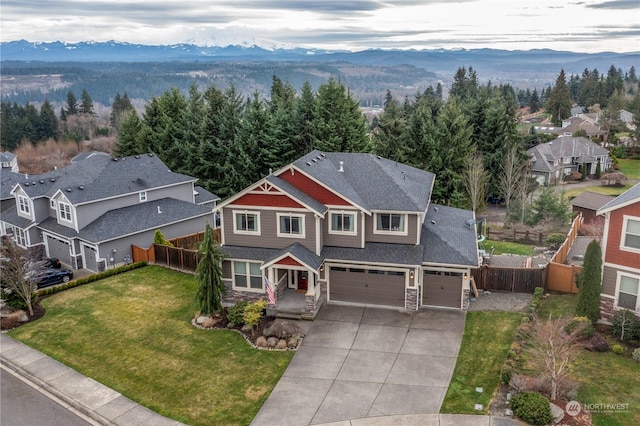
(88, 214)
(349, 228)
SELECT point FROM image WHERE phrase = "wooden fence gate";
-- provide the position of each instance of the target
(515, 280)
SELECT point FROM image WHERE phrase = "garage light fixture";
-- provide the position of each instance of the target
(411, 275)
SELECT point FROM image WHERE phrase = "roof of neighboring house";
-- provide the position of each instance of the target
(626, 116)
(370, 181)
(88, 154)
(203, 196)
(630, 196)
(98, 177)
(7, 157)
(382, 253)
(8, 180)
(11, 216)
(591, 200)
(562, 147)
(449, 236)
(134, 219)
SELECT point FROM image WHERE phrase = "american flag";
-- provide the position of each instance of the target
(269, 288)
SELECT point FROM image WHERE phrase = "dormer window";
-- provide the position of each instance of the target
(24, 205)
(64, 211)
(143, 196)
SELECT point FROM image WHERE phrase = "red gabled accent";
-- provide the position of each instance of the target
(613, 253)
(313, 189)
(267, 200)
(288, 261)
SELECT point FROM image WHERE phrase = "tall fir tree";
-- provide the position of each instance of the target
(559, 102)
(72, 104)
(303, 118)
(387, 138)
(209, 273)
(86, 103)
(48, 123)
(589, 283)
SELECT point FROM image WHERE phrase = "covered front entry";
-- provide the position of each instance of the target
(367, 286)
(442, 288)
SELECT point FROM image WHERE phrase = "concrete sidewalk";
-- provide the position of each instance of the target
(99, 403)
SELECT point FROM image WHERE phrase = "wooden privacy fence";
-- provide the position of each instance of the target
(171, 257)
(561, 277)
(561, 254)
(515, 280)
(516, 236)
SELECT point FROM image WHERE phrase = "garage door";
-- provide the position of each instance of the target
(90, 258)
(442, 289)
(372, 286)
(60, 249)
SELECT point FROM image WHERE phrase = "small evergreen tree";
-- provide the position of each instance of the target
(209, 274)
(598, 169)
(589, 283)
(158, 238)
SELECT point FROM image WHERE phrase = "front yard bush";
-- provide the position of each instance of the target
(253, 313)
(636, 355)
(617, 349)
(235, 314)
(588, 330)
(532, 407)
(626, 325)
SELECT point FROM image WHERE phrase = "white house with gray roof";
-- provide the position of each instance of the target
(552, 161)
(348, 228)
(89, 213)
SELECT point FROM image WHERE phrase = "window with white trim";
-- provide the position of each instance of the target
(246, 222)
(143, 196)
(343, 223)
(290, 225)
(631, 234)
(64, 211)
(20, 236)
(52, 203)
(23, 204)
(247, 276)
(391, 223)
(628, 287)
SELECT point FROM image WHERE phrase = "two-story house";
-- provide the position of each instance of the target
(89, 213)
(552, 161)
(346, 227)
(621, 254)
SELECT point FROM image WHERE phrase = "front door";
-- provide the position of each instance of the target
(303, 280)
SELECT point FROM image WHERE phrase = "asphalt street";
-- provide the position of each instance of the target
(22, 405)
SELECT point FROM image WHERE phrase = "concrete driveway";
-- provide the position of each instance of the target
(364, 362)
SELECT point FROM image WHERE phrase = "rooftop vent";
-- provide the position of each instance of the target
(137, 156)
(115, 159)
(52, 179)
(470, 223)
(436, 209)
(315, 160)
(26, 184)
(41, 180)
(308, 163)
(151, 154)
(159, 211)
(322, 155)
(81, 187)
(341, 166)
(433, 221)
(68, 189)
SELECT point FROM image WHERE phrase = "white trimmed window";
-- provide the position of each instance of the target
(247, 276)
(64, 210)
(143, 196)
(343, 223)
(290, 225)
(627, 290)
(21, 237)
(246, 222)
(24, 204)
(391, 223)
(631, 234)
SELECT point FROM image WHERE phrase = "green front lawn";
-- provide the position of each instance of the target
(630, 168)
(132, 332)
(505, 247)
(486, 340)
(558, 305)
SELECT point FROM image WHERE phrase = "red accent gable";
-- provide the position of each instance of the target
(267, 200)
(313, 189)
(616, 222)
(288, 261)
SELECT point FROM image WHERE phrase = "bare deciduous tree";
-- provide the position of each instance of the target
(553, 345)
(511, 174)
(475, 181)
(19, 272)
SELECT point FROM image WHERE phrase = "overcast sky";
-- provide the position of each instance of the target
(577, 25)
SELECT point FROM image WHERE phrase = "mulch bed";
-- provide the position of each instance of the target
(7, 323)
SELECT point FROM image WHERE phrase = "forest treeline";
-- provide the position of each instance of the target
(470, 140)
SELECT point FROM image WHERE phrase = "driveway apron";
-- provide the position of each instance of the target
(362, 362)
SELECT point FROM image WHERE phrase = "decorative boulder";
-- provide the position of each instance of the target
(209, 322)
(272, 342)
(294, 341)
(282, 329)
(261, 342)
(201, 319)
(282, 344)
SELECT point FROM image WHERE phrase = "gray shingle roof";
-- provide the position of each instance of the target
(300, 252)
(591, 200)
(259, 254)
(401, 254)
(11, 216)
(304, 198)
(204, 196)
(7, 157)
(133, 219)
(372, 182)
(8, 180)
(99, 177)
(450, 240)
(631, 195)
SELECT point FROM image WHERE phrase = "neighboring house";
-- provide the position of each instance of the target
(8, 162)
(586, 122)
(621, 254)
(588, 204)
(89, 213)
(346, 227)
(552, 161)
(627, 118)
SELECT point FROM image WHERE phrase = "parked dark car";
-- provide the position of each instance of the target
(52, 262)
(51, 277)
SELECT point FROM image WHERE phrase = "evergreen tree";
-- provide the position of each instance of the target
(387, 134)
(598, 169)
(120, 108)
(304, 116)
(86, 105)
(589, 283)
(129, 139)
(559, 102)
(281, 144)
(72, 104)
(251, 155)
(48, 122)
(534, 102)
(209, 273)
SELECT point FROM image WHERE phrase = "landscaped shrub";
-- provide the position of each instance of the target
(588, 330)
(158, 238)
(253, 313)
(597, 343)
(589, 283)
(554, 241)
(626, 325)
(236, 312)
(11, 298)
(532, 407)
(617, 349)
(636, 355)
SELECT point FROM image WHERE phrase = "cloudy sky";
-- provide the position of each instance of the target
(578, 25)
